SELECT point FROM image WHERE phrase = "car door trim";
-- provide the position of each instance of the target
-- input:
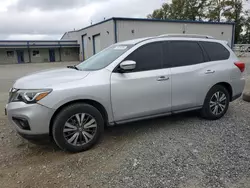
(157, 115)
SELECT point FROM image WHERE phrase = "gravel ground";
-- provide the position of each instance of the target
(182, 151)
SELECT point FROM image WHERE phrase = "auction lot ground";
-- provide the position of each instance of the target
(177, 151)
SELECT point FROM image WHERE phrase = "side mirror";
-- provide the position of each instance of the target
(128, 65)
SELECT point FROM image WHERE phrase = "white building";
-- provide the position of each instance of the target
(96, 37)
(38, 51)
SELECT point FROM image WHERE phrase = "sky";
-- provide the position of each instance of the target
(50, 19)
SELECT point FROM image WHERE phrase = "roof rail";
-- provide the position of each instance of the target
(187, 35)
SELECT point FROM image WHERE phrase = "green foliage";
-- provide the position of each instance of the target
(245, 38)
(181, 9)
(211, 10)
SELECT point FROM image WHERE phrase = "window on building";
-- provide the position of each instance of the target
(147, 57)
(182, 53)
(36, 53)
(10, 53)
(215, 51)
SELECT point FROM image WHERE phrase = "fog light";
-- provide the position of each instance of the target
(21, 123)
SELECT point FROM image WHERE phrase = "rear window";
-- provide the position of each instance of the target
(215, 51)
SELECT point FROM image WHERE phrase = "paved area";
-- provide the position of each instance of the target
(182, 151)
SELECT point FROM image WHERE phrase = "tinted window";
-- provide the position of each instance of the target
(215, 51)
(182, 53)
(147, 57)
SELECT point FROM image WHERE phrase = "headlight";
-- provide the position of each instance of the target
(28, 96)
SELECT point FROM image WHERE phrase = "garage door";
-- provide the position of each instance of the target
(97, 43)
(84, 47)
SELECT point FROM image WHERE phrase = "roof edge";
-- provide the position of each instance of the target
(171, 20)
(38, 40)
(72, 31)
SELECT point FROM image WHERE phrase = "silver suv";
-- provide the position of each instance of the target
(128, 81)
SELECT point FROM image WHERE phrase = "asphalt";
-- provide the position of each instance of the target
(182, 151)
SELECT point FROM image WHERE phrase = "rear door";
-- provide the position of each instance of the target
(187, 73)
(144, 91)
(221, 64)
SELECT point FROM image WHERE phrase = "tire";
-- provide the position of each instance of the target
(67, 123)
(208, 112)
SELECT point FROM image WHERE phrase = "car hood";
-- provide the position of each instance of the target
(48, 78)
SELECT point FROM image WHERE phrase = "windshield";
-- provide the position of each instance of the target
(103, 58)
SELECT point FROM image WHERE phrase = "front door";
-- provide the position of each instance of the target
(144, 91)
(52, 55)
(20, 56)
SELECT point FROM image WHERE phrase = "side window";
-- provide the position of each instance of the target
(215, 51)
(182, 53)
(147, 57)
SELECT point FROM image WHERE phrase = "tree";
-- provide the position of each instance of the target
(211, 10)
(163, 13)
(235, 13)
(232, 11)
(216, 8)
(245, 36)
(181, 10)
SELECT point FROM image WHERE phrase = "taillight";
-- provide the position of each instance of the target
(240, 65)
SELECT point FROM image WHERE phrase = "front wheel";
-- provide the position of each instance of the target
(216, 103)
(78, 127)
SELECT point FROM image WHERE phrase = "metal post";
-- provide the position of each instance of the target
(28, 45)
(60, 55)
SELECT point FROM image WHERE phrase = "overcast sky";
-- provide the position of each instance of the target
(49, 19)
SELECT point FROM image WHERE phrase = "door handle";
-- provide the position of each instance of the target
(162, 78)
(209, 72)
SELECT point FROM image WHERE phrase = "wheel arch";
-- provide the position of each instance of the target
(91, 102)
(228, 88)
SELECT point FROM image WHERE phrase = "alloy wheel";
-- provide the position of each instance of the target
(218, 103)
(80, 129)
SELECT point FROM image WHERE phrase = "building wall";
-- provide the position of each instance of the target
(127, 30)
(7, 60)
(57, 56)
(107, 37)
(26, 55)
(131, 29)
(67, 54)
(4, 59)
(43, 55)
(70, 54)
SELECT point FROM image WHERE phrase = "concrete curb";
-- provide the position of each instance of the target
(246, 96)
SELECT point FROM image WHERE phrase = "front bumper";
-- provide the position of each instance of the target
(37, 116)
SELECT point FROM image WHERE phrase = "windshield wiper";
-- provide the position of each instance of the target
(72, 67)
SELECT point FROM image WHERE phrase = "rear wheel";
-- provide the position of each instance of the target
(77, 127)
(216, 103)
